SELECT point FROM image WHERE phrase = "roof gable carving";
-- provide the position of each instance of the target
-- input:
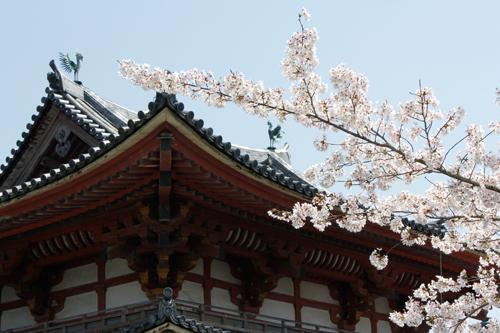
(53, 142)
(71, 119)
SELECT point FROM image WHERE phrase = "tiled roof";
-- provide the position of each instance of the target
(269, 168)
(105, 145)
(433, 229)
(162, 101)
(98, 117)
(110, 124)
(167, 313)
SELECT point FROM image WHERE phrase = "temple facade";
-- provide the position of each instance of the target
(101, 208)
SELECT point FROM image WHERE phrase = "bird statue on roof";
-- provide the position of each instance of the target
(69, 65)
(274, 134)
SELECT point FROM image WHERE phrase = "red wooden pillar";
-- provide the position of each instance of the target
(207, 281)
(165, 179)
(297, 300)
(101, 288)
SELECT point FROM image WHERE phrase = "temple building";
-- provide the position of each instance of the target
(102, 208)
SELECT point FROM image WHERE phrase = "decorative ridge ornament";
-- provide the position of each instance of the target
(54, 77)
(70, 66)
(167, 314)
(163, 100)
(274, 134)
(166, 307)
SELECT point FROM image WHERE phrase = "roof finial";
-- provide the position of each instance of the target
(166, 308)
(54, 78)
(274, 134)
(70, 66)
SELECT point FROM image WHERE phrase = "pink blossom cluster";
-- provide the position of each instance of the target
(382, 145)
(378, 259)
(476, 294)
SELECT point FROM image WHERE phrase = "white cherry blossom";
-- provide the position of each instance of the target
(381, 145)
(379, 260)
(305, 14)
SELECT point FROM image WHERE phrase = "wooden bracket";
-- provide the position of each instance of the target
(34, 288)
(354, 299)
(257, 280)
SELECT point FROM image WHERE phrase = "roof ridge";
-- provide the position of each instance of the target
(67, 108)
(169, 101)
(77, 163)
(64, 94)
(161, 101)
(276, 176)
(102, 101)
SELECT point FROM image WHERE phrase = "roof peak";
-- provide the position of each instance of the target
(59, 83)
(97, 116)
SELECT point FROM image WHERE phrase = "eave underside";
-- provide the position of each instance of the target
(199, 187)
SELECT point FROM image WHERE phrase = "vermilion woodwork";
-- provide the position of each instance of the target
(166, 202)
(257, 279)
(348, 314)
(165, 177)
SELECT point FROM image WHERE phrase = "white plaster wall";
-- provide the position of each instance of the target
(383, 327)
(222, 298)
(77, 276)
(382, 305)
(78, 304)
(116, 267)
(8, 294)
(316, 316)
(220, 270)
(191, 291)
(278, 309)
(363, 325)
(16, 318)
(284, 286)
(198, 269)
(125, 294)
(316, 291)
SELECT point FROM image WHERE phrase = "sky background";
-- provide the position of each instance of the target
(451, 46)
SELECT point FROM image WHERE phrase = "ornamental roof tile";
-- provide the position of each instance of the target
(167, 313)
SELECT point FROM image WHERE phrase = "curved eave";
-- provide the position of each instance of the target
(118, 156)
(214, 155)
(189, 140)
(74, 182)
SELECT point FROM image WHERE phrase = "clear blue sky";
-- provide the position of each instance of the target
(452, 46)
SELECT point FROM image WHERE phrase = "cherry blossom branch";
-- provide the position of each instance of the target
(381, 145)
